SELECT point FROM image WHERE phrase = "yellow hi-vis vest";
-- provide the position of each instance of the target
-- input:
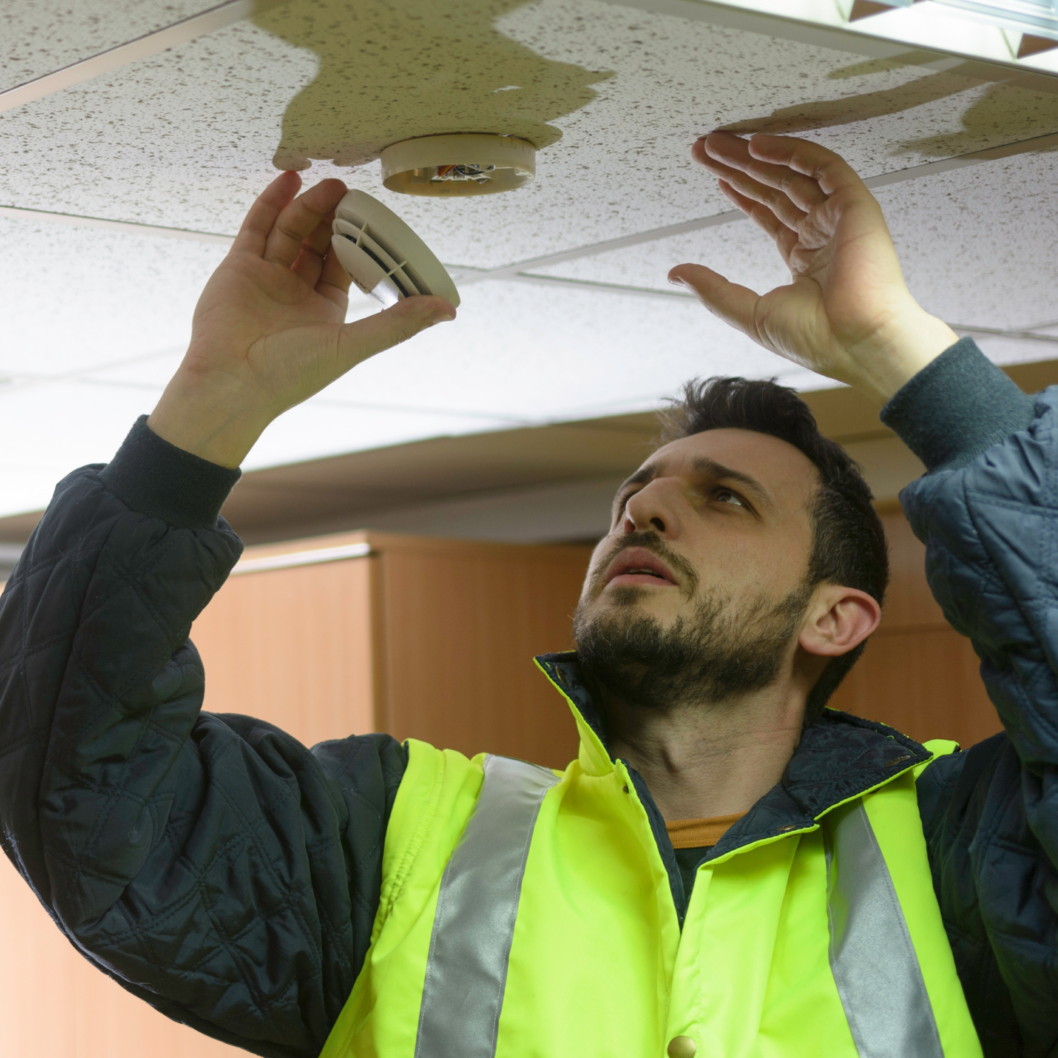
(526, 914)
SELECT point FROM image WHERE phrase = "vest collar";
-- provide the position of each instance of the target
(838, 758)
(563, 670)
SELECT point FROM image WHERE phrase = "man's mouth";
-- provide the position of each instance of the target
(638, 566)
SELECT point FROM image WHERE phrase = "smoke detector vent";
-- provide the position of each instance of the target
(383, 256)
(459, 164)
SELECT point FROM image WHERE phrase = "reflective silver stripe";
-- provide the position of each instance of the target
(466, 971)
(871, 954)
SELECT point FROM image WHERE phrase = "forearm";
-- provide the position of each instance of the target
(93, 625)
(986, 507)
(250, 865)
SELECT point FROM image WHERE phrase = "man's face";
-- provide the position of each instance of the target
(698, 586)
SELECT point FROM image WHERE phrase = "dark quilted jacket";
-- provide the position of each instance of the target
(229, 876)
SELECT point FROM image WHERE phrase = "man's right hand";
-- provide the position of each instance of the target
(268, 330)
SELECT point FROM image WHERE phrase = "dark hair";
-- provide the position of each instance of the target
(848, 545)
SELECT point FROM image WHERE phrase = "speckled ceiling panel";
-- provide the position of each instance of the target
(45, 35)
(95, 324)
(75, 298)
(976, 245)
(185, 138)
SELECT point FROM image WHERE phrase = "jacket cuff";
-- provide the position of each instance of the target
(160, 480)
(956, 407)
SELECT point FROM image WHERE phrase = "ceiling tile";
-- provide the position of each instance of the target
(976, 246)
(75, 298)
(45, 35)
(517, 354)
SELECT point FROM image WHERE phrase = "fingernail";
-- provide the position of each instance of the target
(440, 317)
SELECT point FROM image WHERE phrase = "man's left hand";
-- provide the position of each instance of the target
(847, 312)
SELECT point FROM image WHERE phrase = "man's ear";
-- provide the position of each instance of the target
(839, 619)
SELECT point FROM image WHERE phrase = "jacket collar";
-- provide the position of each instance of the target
(838, 758)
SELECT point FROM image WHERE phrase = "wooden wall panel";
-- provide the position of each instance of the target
(55, 1004)
(294, 647)
(917, 673)
(461, 629)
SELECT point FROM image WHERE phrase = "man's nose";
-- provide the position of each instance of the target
(650, 508)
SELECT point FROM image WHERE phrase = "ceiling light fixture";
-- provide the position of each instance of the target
(1019, 32)
(458, 164)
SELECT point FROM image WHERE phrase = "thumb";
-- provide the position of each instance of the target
(734, 304)
(382, 330)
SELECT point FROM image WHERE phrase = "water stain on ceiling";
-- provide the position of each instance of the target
(390, 70)
(999, 108)
(1018, 109)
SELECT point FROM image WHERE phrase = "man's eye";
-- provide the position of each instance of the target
(727, 496)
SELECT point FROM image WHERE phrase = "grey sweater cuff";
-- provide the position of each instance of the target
(957, 407)
(162, 481)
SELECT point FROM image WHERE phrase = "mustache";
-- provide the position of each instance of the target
(651, 541)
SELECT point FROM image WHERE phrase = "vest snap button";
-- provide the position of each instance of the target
(681, 1047)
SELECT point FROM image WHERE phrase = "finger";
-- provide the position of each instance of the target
(262, 214)
(774, 199)
(299, 219)
(785, 238)
(756, 211)
(334, 281)
(829, 170)
(734, 304)
(364, 338)
(802, 190)
(308, 265)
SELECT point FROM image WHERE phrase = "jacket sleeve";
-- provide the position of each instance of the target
(988, 514)
(209, 863)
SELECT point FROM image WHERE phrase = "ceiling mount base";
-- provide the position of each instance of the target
(458, 164)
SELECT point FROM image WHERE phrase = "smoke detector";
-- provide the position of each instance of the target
(383, 256)
(458, 164)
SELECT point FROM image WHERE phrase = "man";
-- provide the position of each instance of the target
(728, 868)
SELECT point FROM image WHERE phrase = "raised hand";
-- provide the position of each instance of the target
(269, 330)
(847, 312)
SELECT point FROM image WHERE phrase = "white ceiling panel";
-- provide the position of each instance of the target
(74, 298)
(976, 245)
(517, 354)
(45, 35)
(47, 431)
(535, 353)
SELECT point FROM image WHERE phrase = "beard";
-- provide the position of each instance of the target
(716, 654)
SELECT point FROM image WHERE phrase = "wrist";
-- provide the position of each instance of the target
(900, 351)
(210, 418)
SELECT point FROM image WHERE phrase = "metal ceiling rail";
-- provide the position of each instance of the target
(1019, 334)
(128, 227)
(995, 332)
(302, 558)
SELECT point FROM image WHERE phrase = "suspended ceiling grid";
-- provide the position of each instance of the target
(121, 191)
